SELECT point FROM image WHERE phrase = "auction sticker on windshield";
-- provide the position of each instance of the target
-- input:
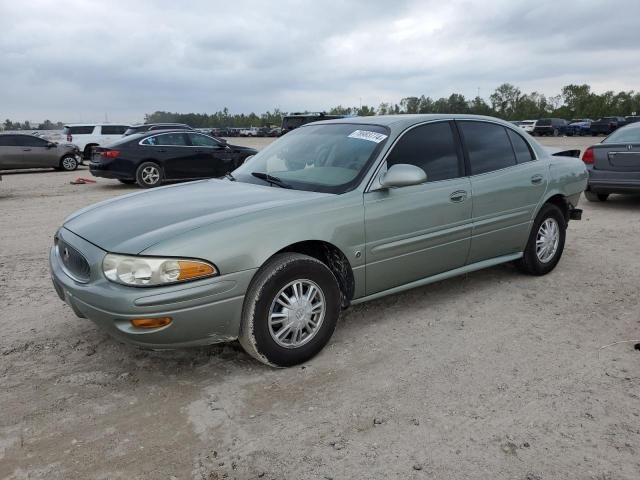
(367, 135)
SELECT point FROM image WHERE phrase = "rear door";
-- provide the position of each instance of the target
(37, 153)
(213, 159)
(421, 230)
(9, 152)
(507, 183)
(172, 152)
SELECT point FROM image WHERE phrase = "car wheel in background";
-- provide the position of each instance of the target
(148, 175)
(68, 163)
(546, 242)
(555, 132)
(127, 182)
(596, 197)
(290, 310)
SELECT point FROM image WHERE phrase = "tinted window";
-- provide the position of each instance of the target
(8, 141)
(545, 122)
(113, 129)
(488, 146)
(168, 139)
(521, 147)
(432, 148)
(29, 141)
(78, 130)
(202, 141)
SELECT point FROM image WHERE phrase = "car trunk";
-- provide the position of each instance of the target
(617, 157)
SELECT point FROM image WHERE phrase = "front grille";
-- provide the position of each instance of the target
(75, 265)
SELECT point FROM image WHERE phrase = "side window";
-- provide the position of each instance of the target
(81, 130)
(488, 146)
(431, 147)
(202, 141)
(520, 147)
(8, 141)
(29, 141)
(171, 139)
(113, 129)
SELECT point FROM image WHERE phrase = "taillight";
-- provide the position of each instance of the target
(587, 156)
(110, 153)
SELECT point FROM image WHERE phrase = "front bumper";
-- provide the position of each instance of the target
(203, 312)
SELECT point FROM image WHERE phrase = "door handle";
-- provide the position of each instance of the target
(458, 196)
(536, 179)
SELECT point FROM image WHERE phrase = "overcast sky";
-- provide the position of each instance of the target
(79, 60)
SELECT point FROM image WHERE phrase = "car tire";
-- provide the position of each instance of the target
(68, 163)
(596, 197)
(149, 175)
(280, 336)
(546, 242)
(127, 182)
(555, 132)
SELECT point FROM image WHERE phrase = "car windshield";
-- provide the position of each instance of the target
(624, 135)
(330, 158)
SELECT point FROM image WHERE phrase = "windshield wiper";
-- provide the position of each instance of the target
(271, 179)
(229, 176)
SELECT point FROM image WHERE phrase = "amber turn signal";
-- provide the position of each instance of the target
(151, 322)
(190, 270)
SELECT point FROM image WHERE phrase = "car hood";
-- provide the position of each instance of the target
(135, 222)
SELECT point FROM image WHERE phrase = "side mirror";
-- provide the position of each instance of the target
(402, 175)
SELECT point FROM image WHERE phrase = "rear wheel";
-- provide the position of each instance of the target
(68, 163)
(290, 310)
(596, 197)
(546, 242)
(555, 132)
(148, 175)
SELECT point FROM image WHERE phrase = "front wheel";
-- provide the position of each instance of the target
(68, 163)
(596, 197)
(290, 310)
(148, 175)
(546, 242)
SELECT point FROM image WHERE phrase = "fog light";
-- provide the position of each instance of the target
(151, 322)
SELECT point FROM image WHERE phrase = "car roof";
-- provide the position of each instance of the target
(403, 121)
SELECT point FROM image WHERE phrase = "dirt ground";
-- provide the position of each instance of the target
(493, 375)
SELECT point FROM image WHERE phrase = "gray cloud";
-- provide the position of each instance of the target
(79, 60)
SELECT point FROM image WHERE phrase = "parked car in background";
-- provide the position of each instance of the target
(151, 158)
(275, 132)
(331, 214)
(19, 151)
(291, 122)
(550, 127)
(221, 132)
(606, 125)
(579, 128)
(249, 132)
(614, 164)
(631, 119)
(527, 125)
(148, 127)
(89, 135)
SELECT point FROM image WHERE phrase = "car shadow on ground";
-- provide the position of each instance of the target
(618, 203)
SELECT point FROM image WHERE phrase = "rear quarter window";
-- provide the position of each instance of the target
(113, 129)
(488, 146)
(84, 130)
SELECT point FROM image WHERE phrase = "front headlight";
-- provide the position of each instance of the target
(152, 271)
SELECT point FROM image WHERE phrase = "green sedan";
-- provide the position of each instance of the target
(334, 213)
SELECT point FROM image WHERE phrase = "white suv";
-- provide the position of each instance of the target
(86, 136)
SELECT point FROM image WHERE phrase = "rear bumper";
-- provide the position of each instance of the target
(203, 312)
(107, 171)
(606, 181)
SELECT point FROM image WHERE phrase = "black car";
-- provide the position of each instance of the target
(148, 127)
(151, 158)
(296, 120)
(550, 126)
(614, 164)
(607, 125)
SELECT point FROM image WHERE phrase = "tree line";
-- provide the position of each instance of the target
(507, 102)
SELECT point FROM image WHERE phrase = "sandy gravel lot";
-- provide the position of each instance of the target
(493, 375)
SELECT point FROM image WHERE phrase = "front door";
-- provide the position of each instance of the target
(212, 158)
(421, 230)
(507, 183)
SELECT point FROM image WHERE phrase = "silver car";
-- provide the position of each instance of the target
(18, 151)
(333, 213)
